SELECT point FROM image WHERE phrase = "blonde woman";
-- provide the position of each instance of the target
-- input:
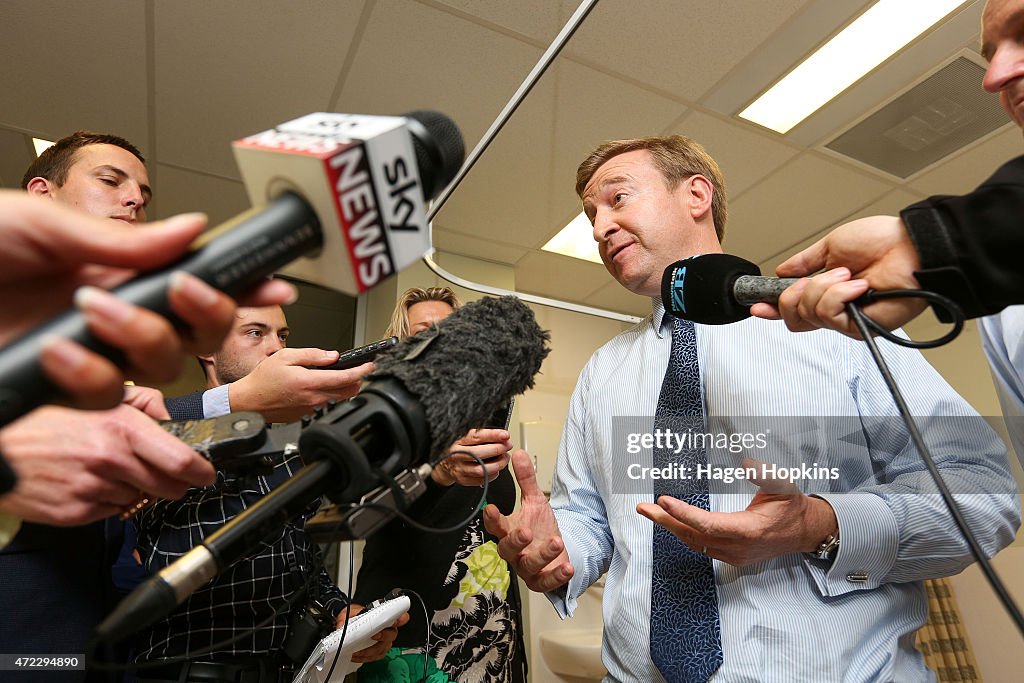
(471, 594)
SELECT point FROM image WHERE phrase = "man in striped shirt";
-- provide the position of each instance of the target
(793, 602)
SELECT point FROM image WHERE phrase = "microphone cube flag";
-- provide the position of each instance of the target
(359, 174)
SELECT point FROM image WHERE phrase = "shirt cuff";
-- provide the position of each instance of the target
(868, 542)
(564, 598)
(215, 401)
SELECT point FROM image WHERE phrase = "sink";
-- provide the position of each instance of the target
(573, 652)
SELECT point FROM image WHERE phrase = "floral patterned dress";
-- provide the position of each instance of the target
(476, 625)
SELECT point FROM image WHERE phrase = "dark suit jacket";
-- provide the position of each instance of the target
(187, 407)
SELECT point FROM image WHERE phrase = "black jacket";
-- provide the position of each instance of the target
(972, 247)
(187, 407)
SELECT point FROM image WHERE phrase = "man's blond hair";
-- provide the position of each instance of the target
(676, 156)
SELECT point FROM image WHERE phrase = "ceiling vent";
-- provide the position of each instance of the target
(940, 115)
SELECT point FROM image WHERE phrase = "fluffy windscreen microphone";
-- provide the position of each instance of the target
(467, 367)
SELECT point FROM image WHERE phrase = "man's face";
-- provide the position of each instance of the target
(640, 225)
(256, 334)
(106, 181)
(1002, 45)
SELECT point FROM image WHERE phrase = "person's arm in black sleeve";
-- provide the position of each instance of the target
(971, 247)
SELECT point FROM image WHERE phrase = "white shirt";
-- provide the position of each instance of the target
(1002, 337)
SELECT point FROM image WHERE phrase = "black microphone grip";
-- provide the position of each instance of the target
(251, 247)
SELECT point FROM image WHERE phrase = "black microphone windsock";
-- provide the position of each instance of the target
(471, 364)
(700, 288)
(717, 289)
(366, 178)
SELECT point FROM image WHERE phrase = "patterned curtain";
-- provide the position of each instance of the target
(943, 640)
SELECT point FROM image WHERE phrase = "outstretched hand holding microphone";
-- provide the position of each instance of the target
(873, 252)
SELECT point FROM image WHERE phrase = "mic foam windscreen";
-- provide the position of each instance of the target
(700, 288)
(474, 361)
(439, 149)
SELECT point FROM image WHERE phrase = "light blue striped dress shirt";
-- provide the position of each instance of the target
(1002, 337)
(791, 618)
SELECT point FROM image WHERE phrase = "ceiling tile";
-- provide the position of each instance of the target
(224, 72)
(964, 172)
(506, 196)
(177, 191)
(414, 57)
(60, 76)
(542, 22)
(674, 46)
(476, 247)
(593, 107)
(889, 205)
(558, 277)
(806, 196)
(744, 155)
(778, 52)
(518, 193)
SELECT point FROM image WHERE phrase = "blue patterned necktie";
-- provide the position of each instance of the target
(686, 643)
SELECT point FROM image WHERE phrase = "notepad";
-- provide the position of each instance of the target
(359, 636)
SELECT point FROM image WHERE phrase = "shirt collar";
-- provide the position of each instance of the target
(660, 323)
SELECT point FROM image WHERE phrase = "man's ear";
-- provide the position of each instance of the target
(700, 191)
(206, 363)
(40, 187)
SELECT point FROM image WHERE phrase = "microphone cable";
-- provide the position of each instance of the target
(934, 298)
(864, 325)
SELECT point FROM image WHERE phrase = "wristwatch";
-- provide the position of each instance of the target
(828, 548)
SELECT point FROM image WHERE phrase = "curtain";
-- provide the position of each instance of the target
(943, 640)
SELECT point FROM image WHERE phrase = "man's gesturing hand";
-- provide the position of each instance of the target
(529, 538)
(779, 520)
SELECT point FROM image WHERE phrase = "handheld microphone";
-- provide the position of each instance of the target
(305, 215)
(424, 395)
(365, 177)
(717, 289)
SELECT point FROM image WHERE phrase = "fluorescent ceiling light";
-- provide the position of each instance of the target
(41, 145)
(860, 47)
(576, 239)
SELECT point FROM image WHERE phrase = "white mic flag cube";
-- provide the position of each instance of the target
(360, 176)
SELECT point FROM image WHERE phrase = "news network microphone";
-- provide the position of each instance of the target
(423, 396)
(306, 215)
(366, 177)
(717, 289)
